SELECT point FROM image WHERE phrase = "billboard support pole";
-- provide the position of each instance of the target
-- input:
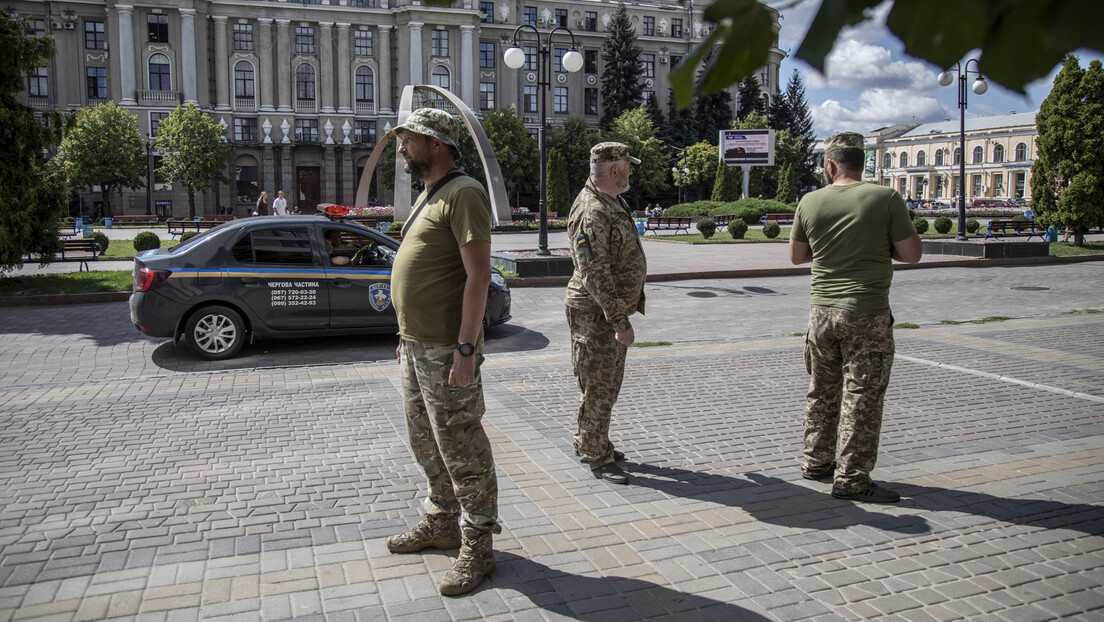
(747, 181)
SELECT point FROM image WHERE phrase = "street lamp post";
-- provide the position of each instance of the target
(679, 178)
(149, 175)
(979, 87)
(515, 58)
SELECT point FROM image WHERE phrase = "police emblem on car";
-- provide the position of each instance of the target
(379, 294)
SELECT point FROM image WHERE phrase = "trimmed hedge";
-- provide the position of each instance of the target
(943, 224)
(749, 210)
(708, 227)
(771, 230)
(921, 225)
(102, 240)
(146, 240)
(184, 237)
(972, 226)
(737, 229)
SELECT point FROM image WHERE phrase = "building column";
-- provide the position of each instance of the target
(416, 52)
(326, 68)
(283, 66)
(467, 66)
(266, 78)
(344, 59)
(126, 55)
(188, 53)
(385, 70)
(222, 74)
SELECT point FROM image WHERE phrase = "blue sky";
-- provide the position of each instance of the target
(869, 82)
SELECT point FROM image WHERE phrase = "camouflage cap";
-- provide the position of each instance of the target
(434, 123)
(843, 140)
(611, 152)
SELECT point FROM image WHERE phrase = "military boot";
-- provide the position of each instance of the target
(476, 561)
(440, 531)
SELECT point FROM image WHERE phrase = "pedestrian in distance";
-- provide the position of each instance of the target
(279, 206)
(606, 287)
(851, 231)
(261, 207)
(439, 288)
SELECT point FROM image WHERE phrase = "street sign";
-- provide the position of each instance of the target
(747, 147)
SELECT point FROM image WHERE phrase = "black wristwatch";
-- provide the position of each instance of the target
(465, 348)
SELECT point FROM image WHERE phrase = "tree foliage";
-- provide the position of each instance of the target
(195, 154)
(34, 191)
(680, 130)
(103, 147)
(622, 79)
(573, 140)
(515, 149)
(635, 129)
(750, 99)
(557, 195)
(787, 184)
(701, 160)
(726, 186)
(791, 112)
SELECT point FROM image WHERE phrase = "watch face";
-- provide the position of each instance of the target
(465, 348)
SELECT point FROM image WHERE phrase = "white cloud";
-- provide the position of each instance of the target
(876, 108)
(856, 65)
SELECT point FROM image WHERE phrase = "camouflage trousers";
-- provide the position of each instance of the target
(849, 355)
(447, 437)
(599, 363)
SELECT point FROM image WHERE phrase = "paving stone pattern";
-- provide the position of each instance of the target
(137, 482)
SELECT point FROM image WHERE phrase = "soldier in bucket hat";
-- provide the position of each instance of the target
(851, 231)
(439, 288)
(606, 287)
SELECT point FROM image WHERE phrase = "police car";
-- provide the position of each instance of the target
(286, 276)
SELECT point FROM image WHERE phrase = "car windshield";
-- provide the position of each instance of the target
(197, 239)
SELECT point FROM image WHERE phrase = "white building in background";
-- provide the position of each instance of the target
(305, 87)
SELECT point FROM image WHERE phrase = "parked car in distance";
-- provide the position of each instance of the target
(268, 276)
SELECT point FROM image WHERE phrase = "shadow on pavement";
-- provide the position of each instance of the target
(1045, 513)
(601, 599)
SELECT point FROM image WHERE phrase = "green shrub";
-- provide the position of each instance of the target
(921, 225)
(697, 209)
(737, 229)
(972, 226)
(395, 226)
(1020, 217)
(146, 240)
(943, 224)
(912, 214)
(102, 240)
(101, 222)
(187, 235)
(707, 227)
(771, 230)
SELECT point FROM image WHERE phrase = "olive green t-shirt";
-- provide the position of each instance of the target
(428, 276)
(851, 230)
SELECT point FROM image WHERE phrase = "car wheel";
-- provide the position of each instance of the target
(215, 333)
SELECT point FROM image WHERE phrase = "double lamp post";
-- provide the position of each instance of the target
(572, 61)
(979, 87)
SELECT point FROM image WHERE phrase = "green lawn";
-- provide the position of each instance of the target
(124, 249)
(1067, 249)
(69, 283)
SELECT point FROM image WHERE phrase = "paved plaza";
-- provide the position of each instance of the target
(138, 482)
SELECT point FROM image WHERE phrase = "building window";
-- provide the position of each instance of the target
(364, 132)
(440, 77)
(486, 54)
(37, 27)
(998, 153)
(96, 79)
(158, 27)
(246, 187)
(676, 28)
(304, 40)
(975, 185)
(160, 77)
(245, 130)
(559, 100)
(1021, 179)
(440, 43)
(243, 80)
(590, 100)
(887, 162)
(94, 38)
(764, 77)
(957, 156)
(487, 9)
(921, 159)
(1021, 156)
(904, 159)
(304, 82)
(530, 16)
(998, 184)
(38, 83)
(979, 154)
(364, 4)
(362, 42)
(675, 60)
(243, 37)
(939, 156)
(306, 130)
(486, 96)
(648, 61)
(365, 87)
(155, 122)
(649, 26)
(529, 99)
(561, 18)
(590, 61)
(590, 21)
(557, 62)
(530, 58)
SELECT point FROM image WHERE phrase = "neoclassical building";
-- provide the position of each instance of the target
(922, 161)
(305, 87)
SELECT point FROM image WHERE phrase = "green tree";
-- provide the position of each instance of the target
(750, 98)
(701, 160)
(34, 192)
(515, 149)
(573, 140)
(102, 147)
(680, 130)
(196, 156)
(1069, 168)
(726, 187)
(635, 129)
(787, 150)
(469, 160)
(622, 81)
(787, 184)
(712, 113)
(652, 106)
(557, 195)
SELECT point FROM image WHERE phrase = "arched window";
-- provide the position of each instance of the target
(904, 159)
(940, 155)
(160, 76)
(440, 77)
(887, 161)
(921, 159)
(998, 153)
(243, 79)
(304, 82)
(957, 155)
(1021, 152)
(365, 88)
(979, 155)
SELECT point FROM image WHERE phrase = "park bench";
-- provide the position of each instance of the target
(780, 219)
(722, 221)
(67, 228)
(1067, 232)
(669, 223)
(1011, 228)
(134, 219)
(219, 217)
(178, 227)
(523, 216)
(82, 250)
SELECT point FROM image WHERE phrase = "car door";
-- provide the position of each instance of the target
(276, 275)
(360, 291)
